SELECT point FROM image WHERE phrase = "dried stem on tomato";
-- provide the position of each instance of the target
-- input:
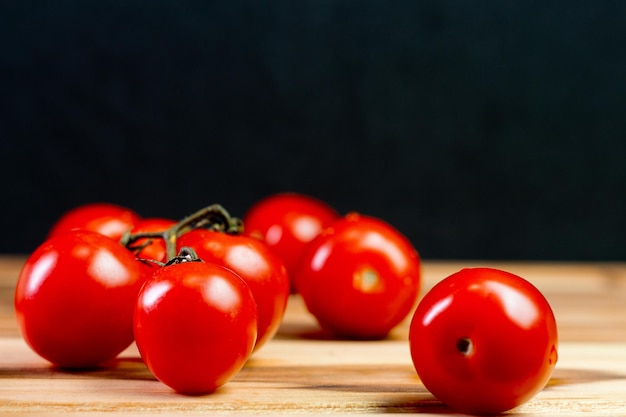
(213, 217)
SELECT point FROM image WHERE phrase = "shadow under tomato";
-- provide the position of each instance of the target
(392, 389)
(295, 331)
(316, 333)
(389, 389)
(560, 377)
(566, 376)
(126, 368)
(418, 406)
(121, 368)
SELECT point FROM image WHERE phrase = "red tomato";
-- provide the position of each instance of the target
(360, 277)
(156, 250)
(108, 219)
(483, 341)
(195, 326)
(74, 299)
(253, 261)
(287, 222)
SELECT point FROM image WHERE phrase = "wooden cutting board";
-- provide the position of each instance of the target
(303, 372)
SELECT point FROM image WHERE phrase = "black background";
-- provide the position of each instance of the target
(479, 129)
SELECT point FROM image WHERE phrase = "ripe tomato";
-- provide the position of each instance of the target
(253, 261)
(195, 326)
(156, 249)
(108, 219)
(483, 341)
(287, 222)
(74, 299)
(359, 277)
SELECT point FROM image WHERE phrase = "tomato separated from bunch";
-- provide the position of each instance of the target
(74, 299)
(256, 264)
(286, 222)
(108, 219)
(195, 326)
(359, 277)
(483, 341)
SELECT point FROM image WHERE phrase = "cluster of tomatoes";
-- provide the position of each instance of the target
(200, 295)
(196, 295)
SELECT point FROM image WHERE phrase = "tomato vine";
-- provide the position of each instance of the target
(214, 217)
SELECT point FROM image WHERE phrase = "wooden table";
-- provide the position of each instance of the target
(299, 373)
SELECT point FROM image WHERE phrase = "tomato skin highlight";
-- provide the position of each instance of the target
(359, 277)
(286, 222)
(484, 341)
(256, 264)
(74, 299)
(195, 326)
(108, 219)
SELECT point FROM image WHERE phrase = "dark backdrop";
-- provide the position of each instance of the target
(480, 129)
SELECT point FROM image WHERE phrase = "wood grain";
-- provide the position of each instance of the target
(303, 371)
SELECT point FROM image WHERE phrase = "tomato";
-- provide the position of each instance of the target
(74, 299)
(287, 222)
(108, 219)
(195, 326)
(253, 261)
(359, 277)
(483, 341)
(156, 248)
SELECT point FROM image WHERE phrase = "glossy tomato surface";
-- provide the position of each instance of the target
(108, 219)
(155, 249)
(484, 341)
(287, 222)
(195, 326)
(75, 297)
(360, 277)
(256, 264)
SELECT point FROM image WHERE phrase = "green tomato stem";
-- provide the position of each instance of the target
(213, 217)
(186, 254)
